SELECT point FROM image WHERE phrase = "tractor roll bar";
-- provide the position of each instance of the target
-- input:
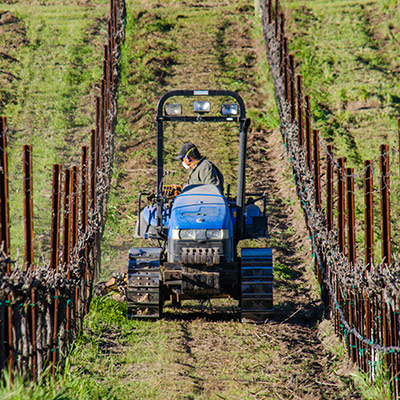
(243, 126)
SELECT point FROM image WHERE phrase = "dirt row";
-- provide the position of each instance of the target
(214, 355)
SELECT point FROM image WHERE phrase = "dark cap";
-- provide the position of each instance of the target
(188, 150)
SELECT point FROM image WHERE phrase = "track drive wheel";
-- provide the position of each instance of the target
(257, 284)
(144, 292)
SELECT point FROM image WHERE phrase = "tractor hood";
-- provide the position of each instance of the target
(200, 207)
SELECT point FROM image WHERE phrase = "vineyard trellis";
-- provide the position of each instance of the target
(362, 297)
(42, 304)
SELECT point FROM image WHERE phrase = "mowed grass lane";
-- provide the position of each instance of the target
(51, 67)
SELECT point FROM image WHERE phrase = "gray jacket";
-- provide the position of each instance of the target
(206, 173)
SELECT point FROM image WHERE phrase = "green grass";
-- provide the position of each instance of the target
(174, 358)
(50, 103)
(347, 53)
(346, 66)
(380, 388)
(180, 356)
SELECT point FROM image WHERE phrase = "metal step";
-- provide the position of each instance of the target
(143, 293)
(257, 284)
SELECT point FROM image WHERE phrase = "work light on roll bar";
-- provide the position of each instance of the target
(201, 107)
(229, 109)
(173, 109)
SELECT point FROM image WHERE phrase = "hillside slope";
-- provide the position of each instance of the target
(50, 63)
(199, 352)
(348, 54)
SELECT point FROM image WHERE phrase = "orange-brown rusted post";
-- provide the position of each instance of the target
(385, 204)
(286, 68)
(29, 252)
(84, 217)
(308, 132)
(329, 188)
(398, 144)
(292, 87)
(317, 169)
(74, 233)
(300, 120)
(5, 237)
(93, 170)
(351, 223)
(67, 222)
(4, 204)
(270, 11)
(54, 257)
(369, 246)
(369, 213)
(281, 43)
(385, 233)
(28, 206)
(341, 204)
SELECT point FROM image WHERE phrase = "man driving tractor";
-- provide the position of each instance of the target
(203, 171)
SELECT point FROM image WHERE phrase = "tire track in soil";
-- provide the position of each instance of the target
(285, 358)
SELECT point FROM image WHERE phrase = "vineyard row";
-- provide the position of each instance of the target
(42, 304)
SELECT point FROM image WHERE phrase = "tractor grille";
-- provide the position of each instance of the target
(190, 252)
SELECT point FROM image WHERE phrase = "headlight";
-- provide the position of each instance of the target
(187, 234)
(214, 233)
(200, 234)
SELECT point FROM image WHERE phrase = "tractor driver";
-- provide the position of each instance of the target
(203, 171)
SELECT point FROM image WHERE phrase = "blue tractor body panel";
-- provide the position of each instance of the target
(200, 207)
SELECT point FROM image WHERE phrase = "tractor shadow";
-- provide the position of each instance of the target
(214, 310)
(287, 312)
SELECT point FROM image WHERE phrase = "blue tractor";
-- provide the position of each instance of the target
(200, 228)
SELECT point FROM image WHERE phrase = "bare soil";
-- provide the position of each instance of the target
(285, 358)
